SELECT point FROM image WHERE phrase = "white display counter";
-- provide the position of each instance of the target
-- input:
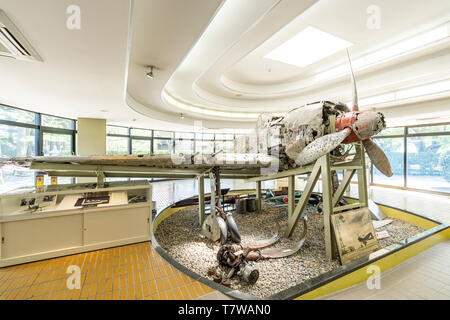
(68, 219)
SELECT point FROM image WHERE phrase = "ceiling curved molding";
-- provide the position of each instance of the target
(220, 75)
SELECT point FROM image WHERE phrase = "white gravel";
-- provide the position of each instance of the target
(180, 236)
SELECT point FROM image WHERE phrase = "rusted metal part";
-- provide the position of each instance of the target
(241, 205)
(223, 229)
(274, 253)
(231, 227)
(250, 204)
(211, 228)
(249, 274)
(254, 245)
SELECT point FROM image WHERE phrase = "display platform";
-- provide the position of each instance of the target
(335, 278)
(73, 218)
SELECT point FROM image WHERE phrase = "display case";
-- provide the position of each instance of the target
(68, 219)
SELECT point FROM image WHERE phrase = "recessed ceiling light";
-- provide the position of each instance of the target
(308, 46)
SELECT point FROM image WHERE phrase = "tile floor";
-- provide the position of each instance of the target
(128, 272)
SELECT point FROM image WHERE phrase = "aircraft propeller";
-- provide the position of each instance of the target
(329, 142)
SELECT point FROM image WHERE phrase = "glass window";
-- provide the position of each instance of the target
(224, 136)
(57, 144)
(140, 146)
(204, 146)
(55, 122)
(204, 136)
(117, 130)
(17, 115)
(226, 146)
(16, 141)
(162, 134)
(394, 149)
(116, 145)
(392, 132)
(429, 129)
(141, 133)
(428, 160)
(162, 146)
(184, 135)
(184, 146)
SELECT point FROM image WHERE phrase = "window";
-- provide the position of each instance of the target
(116, 145)
(140, 146)
(394, 149)
(57, 144)
(204, 146)
(392, 132)
(55, 122)
(17, 141)
(16, 115)
(162, 134)
(184, 135)
(426, 164)
(140, 132)
(117, 130)
(162, 146)
(184, 147)
(225, 146)
(25, 134)
(428, 160)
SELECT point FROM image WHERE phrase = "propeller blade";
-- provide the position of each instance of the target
(321, 146)
(354, 92)
(378, 157)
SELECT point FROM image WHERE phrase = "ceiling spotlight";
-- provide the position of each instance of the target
(181, 116)
(149, 74)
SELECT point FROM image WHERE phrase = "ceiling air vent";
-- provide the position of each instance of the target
(12, 43)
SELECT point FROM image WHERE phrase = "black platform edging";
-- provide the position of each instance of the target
(308, 285)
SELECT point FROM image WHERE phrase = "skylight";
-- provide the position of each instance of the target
(307, 47)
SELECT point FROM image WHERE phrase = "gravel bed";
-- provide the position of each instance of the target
(180, 235)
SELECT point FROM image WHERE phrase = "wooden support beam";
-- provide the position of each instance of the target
(282, 174)
(312, 180)
(362, 177)
(327, 192)
(348, 206)
(119, 174)
(291, 195)
(201, 199)
(348, 175)
(258, 196)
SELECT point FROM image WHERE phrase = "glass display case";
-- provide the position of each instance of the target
(67, 219)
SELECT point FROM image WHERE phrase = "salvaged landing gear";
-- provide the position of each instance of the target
(221, 226)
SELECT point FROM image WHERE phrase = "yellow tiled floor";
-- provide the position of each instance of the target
(134, 271)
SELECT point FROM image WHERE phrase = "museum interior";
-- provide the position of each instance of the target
(224, 150)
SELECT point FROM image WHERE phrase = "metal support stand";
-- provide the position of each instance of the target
(291, 195)
(327, 198)
(100, 179)
(201, 199)
(258, 196)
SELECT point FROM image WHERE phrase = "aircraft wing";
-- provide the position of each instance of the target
(189, 161)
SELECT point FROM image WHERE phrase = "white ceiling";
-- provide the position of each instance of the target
(210, 54)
